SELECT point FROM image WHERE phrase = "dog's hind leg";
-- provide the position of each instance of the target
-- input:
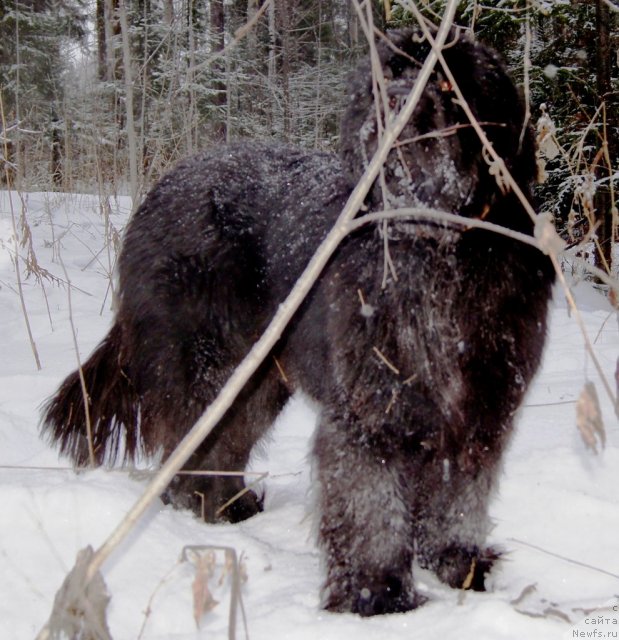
(221, 494)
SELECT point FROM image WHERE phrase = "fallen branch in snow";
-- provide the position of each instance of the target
(149, 607)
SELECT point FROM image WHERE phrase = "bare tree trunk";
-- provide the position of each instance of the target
(272, 66)
(113, 73)
(101, 41)
(168, 12)
(603, 200)
(251, 39)
(191, 126)
(131, 137)
(143, 151)
(284, 21)
(18, 143)
(56, 147)
(353, 28)
(220, 87)
(111, 29)
(318, 110)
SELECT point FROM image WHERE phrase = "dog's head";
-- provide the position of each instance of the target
(438, 160)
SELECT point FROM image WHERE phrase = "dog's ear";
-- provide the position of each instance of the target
(496, 102)
(403, 49)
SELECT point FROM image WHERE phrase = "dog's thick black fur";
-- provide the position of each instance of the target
(419, 378)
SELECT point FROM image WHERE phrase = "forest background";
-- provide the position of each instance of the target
(103, 96)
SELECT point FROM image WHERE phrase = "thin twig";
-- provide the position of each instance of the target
(526, 67)
(129, 115)
(381, 108)
(80, 370)
(565, 558)
(149, 607)
(20, 287)
(597, 272)
(383, 358)
(428, 214)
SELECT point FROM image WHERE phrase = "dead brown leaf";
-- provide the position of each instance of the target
(589, 418)
(203, 600)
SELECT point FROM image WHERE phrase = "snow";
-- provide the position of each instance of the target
(556, 511)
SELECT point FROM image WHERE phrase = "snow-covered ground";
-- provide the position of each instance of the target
(556, 513)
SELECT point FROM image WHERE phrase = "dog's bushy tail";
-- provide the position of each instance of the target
(113, 408)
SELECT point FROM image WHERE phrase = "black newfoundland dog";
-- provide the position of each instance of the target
(419, 372)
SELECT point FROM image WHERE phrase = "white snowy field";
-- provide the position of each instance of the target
(556, 510)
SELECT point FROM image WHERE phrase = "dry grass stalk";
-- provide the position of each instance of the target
(20, 288)
(204, 559)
